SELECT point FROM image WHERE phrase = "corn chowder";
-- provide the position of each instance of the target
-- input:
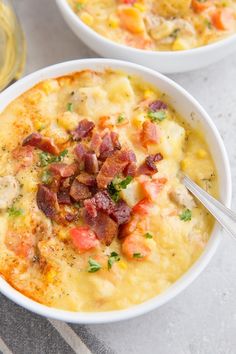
(93, 214)
(163, 25)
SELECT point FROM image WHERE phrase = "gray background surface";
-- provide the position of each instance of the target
(200, 320)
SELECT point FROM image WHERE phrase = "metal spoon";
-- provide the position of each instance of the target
(225, 217)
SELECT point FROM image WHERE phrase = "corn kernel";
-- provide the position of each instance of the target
(138, 120)
(51, 274)
(140, 7)
(180, 44)
(35, 96)
(148, 93)
(122, 264)
(184, 164)
(201, 153)
(63, 235)
(87, 18)
(113, 21)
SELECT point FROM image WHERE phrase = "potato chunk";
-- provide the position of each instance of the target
(169, 8)
(9, 190)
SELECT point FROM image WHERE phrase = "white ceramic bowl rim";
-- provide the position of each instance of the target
(104, 317)
(207, 48)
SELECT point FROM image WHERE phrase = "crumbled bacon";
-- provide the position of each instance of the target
(115, 141)
(157, 105)
(41, 142)
(96, 142)
(148, 167)
(63, 196)
(112, 166)
(63, 169)
(130, 169)
(84, 128)
(121, 212)
(105, 228)
(87, 179)
(80, 152)
(91, 163)
(129, 227)
(149, 134)
(79, 191)
(47, 201)
(106, 147)
(100, 202)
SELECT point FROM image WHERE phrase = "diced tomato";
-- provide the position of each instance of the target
(143, 207)
(152, 188)
(83, 238)
(130, 2)
(223, 19)
(135, 247)
(105, 122)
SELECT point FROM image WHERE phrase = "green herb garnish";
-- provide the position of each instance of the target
(175, 33)
(137, 255)
(46, 177)
(79, 6)
(93, 266)
(45, 158)
(117, 185)
(69, 107)
(14, 212)
(114, 257)
(121, 118)
(157, 116)
(186, 215)
(148, 235)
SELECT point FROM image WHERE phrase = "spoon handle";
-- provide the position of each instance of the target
(224, 216)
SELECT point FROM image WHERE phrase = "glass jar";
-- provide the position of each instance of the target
(12, 45)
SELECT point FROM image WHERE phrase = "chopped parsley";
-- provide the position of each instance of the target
(46, 158)
(186, 215)
(121, 118)
(137, 255)
(46, 177)
(175, 33)
(14, 212)
(148, 235)
(69, 107)
(117, 185)
(157, 116)
(79, 6)
(114, 257)
(93, 266)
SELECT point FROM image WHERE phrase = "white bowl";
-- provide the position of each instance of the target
(189, 108)
(165, 62)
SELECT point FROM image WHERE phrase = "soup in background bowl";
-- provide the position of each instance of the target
(159, 25)
(94, 216)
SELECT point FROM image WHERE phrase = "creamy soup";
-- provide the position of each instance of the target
(93, 213)
(159, 25)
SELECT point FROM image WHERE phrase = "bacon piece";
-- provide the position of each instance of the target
(115, 141)
(80, 152)
(105, 228)
(100, 202)
(63, 169)
(157, 105)
(149, 134)
(70, 217)
(113, 165)
(90, 163)
(47, 201)
(79, 191)
(130, 169)
(106, 147)
(87, 179)
(96, 142)
(121, 212)
(63, 196)
(84, 128)
(24, 155)
(148, 167)
(41, 142)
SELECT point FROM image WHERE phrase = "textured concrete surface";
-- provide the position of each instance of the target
(201, 320)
